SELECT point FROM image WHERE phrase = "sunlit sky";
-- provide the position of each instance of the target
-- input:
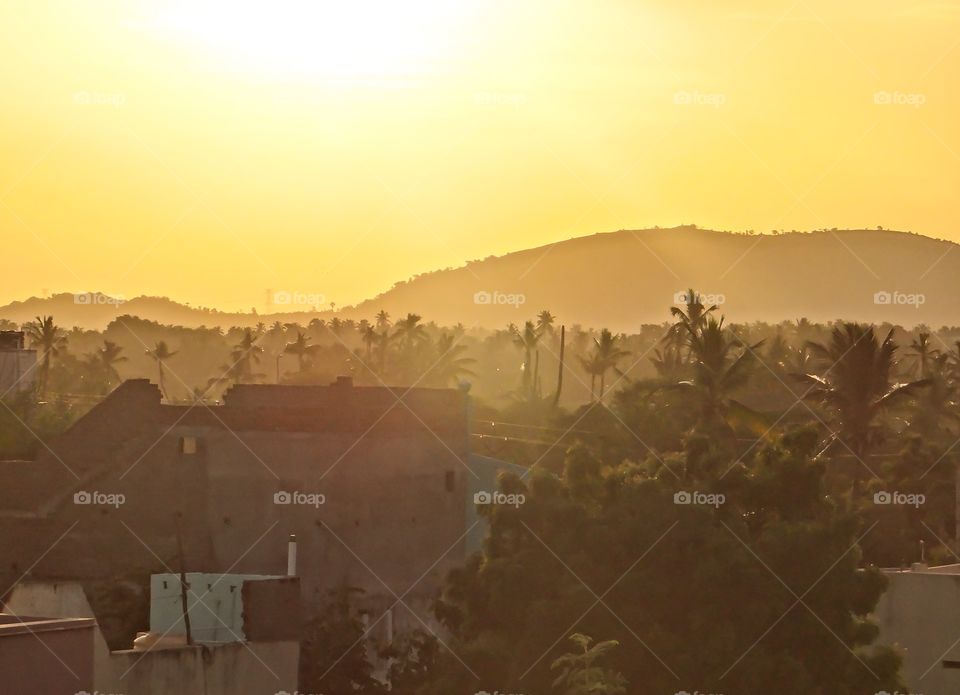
(207, 153)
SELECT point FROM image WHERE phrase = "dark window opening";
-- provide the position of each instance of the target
(449, 480)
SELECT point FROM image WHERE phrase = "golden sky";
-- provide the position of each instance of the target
(205, 153)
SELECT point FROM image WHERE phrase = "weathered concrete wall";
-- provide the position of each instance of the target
(263, 668)
(60, 600)
(394, 486)
(272, 611)
(51, 657)
(920, 614)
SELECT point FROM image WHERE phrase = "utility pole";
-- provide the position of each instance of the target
(184, 587)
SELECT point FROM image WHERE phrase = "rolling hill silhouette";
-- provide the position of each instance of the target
(627, 278)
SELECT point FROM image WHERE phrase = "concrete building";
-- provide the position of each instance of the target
(17, 364)
(920, 615)
(373, 482)
(262, 660)
(45, 655)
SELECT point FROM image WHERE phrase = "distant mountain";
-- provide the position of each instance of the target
(630, 277)
(626, 278)
(96, 310)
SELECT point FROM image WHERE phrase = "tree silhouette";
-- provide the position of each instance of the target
(50, 340)
(301, 348)
(857, 387)
(160, 354)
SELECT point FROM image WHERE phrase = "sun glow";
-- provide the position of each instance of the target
(359, 39)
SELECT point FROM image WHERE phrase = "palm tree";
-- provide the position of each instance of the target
(301, 348)
(161, 353)
(451, 366)
(721, 367)
(690, 319)
(545, 321)
(591, 365)
(527, 340)
(857, 388)
(606, 355)
(245, 354)
(369, 337)
(409, 332)
(923, 354)
(50, 340)
(383, 320)
(938, 402)
(106, 359)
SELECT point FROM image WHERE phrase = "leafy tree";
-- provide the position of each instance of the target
(705, 595)
(580, 676)
(335, 649)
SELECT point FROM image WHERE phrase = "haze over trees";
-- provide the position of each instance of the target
(791, 430)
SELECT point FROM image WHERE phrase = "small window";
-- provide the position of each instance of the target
(188, 445)
(449, 481)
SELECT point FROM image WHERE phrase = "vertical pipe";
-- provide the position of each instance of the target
(292, 556)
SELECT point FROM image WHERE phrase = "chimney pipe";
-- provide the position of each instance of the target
(292, 556)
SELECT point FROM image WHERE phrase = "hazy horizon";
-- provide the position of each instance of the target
(208, 155)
